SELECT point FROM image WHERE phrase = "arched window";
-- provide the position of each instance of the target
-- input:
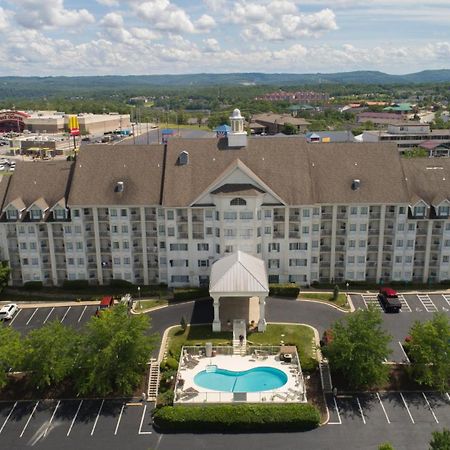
(238, 201)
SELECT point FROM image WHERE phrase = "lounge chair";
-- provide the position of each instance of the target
(189, 394)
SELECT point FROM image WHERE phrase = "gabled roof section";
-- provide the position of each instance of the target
(17, 203)
(238, 189)
(61, 203)
(33, 181)
(238, 273)
(99, 168)
(428, 179)
(40, 203)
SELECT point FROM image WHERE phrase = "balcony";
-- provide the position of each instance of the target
(341, 232)
(375, 215)
(182, 235)
(294, 234)
(419, 263)
(294, 218)
(278, 218)
(198, 235)
(327, 216)
(418, 248)
(340, 248)
(325, 248)
(372, 248)
(421, 232)
(374, 232)
(341, 215)
(182, 219)
(197, 219)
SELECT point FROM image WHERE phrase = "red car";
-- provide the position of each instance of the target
(388, 298)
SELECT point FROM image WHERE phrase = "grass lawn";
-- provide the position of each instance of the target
(174, 126)
(326, 297)
(298, 335)
(151, 303)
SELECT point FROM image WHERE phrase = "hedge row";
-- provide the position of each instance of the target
(284, 290)
(236, 418)
(190, 293)
(33, 285)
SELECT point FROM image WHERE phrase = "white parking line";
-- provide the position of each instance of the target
(81, 315)
(382, 406)
(407, 409)
(29, 418)
(404, 303)
(446, 298)
(337, 412)
(120, 418)
(361, 411)
(74, 418)
(427, 302)
(65, 314)
(429, 406)
(14, 318)
(403, 350)
(32, 315)
(9, 415)
(371, 300)
(48, 315)
(98, 415)
(51, 418)
(142, 421)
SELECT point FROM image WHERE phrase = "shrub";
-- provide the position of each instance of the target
(33, 285)
(236, 418)
(169, 364)
(190, 293)
(75, 284)
(120, 283)
(284, 290)
(165, 398)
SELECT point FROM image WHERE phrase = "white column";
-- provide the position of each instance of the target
(333, 243)
(216, 323)
(262, 314)
(98, 253)
(51, 248)
(381, 242)
(426, 267)
(144, 245)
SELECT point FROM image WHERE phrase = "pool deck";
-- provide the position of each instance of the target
(191, 393)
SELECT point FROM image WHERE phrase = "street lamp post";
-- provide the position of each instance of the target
(139, 293)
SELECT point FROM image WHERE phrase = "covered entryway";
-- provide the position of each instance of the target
(239, 287)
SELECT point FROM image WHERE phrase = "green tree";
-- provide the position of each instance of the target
(11, 352)
(358, 349)
(49, 353)
(183, 323)
(4, 274)
(288, 128)
(429, 351)
(385, 446)
(441, 440)
(116, 349)
(335, 292)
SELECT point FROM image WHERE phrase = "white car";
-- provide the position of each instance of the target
(7, 312)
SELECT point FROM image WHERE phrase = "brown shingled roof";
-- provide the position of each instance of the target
(427, 179)
(32, 181)
(298, 172)
(99, 167)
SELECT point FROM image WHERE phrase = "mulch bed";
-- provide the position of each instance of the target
(314, 393)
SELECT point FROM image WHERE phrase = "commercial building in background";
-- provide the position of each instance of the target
(164, 213)
(407, 135)
(274, 123)
(298, 96)
(58, 122)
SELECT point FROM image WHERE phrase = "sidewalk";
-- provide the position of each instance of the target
(25, 304)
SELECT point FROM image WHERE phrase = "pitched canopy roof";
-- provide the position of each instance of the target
(239, 273)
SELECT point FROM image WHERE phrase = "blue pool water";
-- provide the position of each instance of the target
(253, 380)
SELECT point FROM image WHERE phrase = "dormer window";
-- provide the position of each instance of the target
(238, 201)
(444, 211)
(419, 211)
(11, 214)
(35, 214)
(59, 214)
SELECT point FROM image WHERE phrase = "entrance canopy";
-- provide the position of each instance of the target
(239, 275)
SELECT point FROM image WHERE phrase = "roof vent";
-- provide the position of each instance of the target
(119, 187)
(183, 159)
(356, 184)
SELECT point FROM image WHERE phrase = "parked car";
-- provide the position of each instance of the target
(7, 312)
(389, 300)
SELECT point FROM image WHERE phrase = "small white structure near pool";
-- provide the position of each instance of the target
(193, 361)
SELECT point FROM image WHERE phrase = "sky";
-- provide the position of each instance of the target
(136, 37)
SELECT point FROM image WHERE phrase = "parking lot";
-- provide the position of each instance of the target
(75, 423)
(393, 408)
(27, 319)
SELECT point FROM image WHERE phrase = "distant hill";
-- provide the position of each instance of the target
(21, 87)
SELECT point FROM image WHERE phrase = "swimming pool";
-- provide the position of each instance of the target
(254, 380)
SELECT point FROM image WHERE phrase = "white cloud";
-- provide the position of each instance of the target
(211, 45)
(38, 14)
(205, 23)
(108, 2)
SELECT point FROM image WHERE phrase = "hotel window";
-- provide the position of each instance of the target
(363, 227)
(115, 229)
(246, 215)
(209, 231)
(71, 261)
(364, 210)
(81, 261)
(352, 227)
(170, 231)
(230, 215)
(294, 262)
(69, 246)
(411, 226)
(350, 260)
(315, 228)
(209, 214)
(203, 263)
(419, 211)
(353, 211)
(401, 227)
(202, 247)
(267, 214)
(23, 246)
(25, 261)
(351, 243)
(315, 244)
(34, 261)
(179, 247)
(126, 245)
(398, 259)
(305, 230)
(179, 278)
(258, 248)
(444, 211)
(361, 259)
(76, 213)
(229, 232)
(408, 259)
(298, 246)
(31, 229)
(274, 247)
(11, 214)
(217, 248)
(238, 202)
(399, 243)
(447, 227)
(79, 246)
(35, 214)
(217, 232)
(170, 214)
(124, 228)
(21, 229)
(60, 214)
(401, 210)
(316, 211)
(267, 230)
(306, 213)
(77, 229)
(115, 245)
(274, 263)
(32, 245)
(409, 243)
(447, 243)
(123, 212)
(362, 243)
(314, 260)
(86, 211)
(162, 245)
(445, 259)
